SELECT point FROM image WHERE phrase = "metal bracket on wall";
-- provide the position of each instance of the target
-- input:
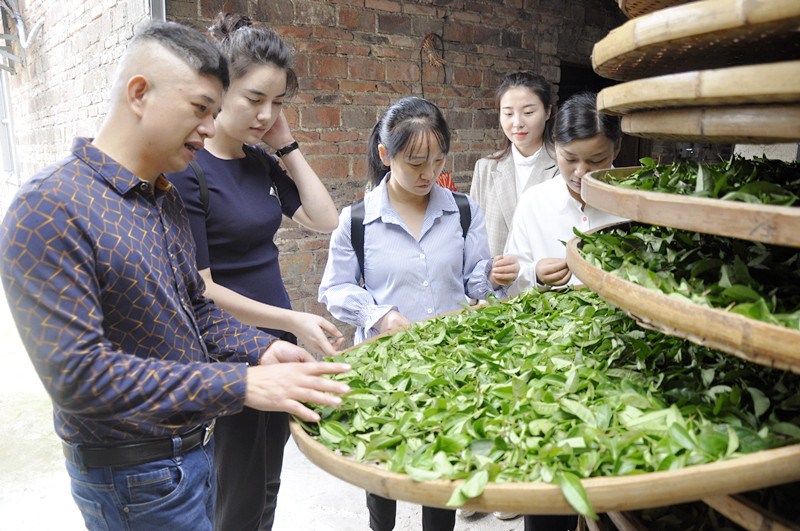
(11, 9)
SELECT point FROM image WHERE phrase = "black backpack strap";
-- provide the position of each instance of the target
(464, 211)
(201, 180)
(357, 232)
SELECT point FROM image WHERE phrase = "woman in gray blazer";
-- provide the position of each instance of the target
(524, 102)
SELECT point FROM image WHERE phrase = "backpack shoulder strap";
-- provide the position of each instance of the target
(201, 180)
(464, 211)
(357, 232)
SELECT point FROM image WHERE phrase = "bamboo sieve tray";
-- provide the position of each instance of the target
(749, 339)
(622, 493)
(754, 124)
(756, 84)
(777, 225)
(698, 36)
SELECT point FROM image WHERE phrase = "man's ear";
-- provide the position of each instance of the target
(137, 88)
(384, 154)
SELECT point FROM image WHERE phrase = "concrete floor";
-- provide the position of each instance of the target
(34, 487)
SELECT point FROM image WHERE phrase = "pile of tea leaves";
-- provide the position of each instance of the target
(551, 387)
(759, 180)
(753, 279)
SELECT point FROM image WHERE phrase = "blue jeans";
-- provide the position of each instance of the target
(175, 494)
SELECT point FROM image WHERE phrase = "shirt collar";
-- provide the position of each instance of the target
(522, 160)
(377, 205)
(114, 173)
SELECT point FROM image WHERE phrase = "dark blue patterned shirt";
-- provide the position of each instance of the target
(99, 271)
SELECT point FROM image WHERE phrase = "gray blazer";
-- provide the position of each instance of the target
(494, 187)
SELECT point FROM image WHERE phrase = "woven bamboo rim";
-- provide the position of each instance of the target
(777, 225)
(699, 36)
(756, 84)
(623, 493)
(637, 8)
(749, 339)
(756, 124)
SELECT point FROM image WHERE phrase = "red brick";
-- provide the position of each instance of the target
(323, 148)
(333, 34)
(383, 5)
(486, 35)
(396, 53)
(402, 71)
(368, 69)
(340, 100)
(313, 117)
(295, 32)
(433, 90)
(311, 244)
(372, 99)
(458, 33)
(415, 9)
(294, 264)
(305, 137)
(431, 74)
(353, 49)
(356, 86)
(327, 66)
(353, 148)
(316, 47)
(300, 65)
(356, 19)
(394, 88)
(403, 41)
(318, 84)
(290, 112)
(315, 13)
(360, 167)
(394, 24)
(465, 16)
(340, 136)
(336, 167)
(358, 117)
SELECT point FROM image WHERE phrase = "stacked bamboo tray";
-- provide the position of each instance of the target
(720, 71)
(714, 83)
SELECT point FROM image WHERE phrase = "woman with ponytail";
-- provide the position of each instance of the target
(236, 196)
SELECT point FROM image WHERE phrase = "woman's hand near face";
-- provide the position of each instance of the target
(504, 271)
(391, 321)
(278, 135)
(553, 271)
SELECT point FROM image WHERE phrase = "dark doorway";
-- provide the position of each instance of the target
(578, 78)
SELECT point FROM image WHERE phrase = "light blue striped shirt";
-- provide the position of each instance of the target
(419, 278)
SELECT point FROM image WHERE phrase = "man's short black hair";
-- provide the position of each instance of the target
(191, 46)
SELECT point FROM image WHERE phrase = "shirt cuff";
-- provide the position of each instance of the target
(374, 314)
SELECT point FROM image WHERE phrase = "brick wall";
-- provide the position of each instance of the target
(64, 89)
(357, 56)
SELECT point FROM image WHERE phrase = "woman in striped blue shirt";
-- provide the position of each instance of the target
(418, 261)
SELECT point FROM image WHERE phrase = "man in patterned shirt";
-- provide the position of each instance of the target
(98, 267)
